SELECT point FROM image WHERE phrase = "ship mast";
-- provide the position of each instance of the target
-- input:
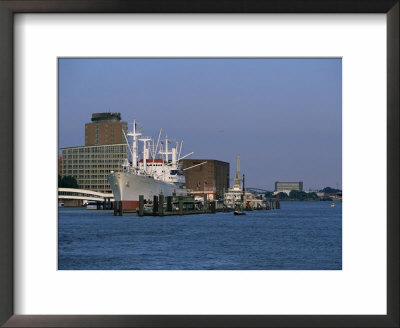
(134, 134)
(166, 152)
(145, 152)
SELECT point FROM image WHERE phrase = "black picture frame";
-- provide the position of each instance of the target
(7, 10)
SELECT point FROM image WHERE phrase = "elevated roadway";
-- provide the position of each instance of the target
(83, 194)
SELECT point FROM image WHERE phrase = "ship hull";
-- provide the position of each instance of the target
(127, 187)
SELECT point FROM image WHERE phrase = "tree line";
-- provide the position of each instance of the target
(67, 182)
(302, 195)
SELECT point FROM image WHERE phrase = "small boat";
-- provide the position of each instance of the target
(333, 205)
(238, 213)
(91, 205)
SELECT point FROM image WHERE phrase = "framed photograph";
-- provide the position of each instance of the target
(229, 105)
(312, 89)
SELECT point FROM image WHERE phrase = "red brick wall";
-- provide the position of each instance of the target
(104, 133)
(216, 173)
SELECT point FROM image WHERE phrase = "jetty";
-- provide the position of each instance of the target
(187, 205)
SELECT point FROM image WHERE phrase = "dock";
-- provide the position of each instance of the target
(187, 205)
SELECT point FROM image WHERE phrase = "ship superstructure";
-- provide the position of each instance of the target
(150, 169)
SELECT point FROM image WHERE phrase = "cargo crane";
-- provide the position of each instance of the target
(237, 176)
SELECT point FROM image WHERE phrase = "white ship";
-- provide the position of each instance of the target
(148, 174)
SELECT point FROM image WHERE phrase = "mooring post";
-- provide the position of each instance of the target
(155, 205)
(120, 208)
(271, 204)
(141, 205)
(180, 199)
(213, 207)
(161, 205)
(278, 204)
(169, 204)
(115, 208)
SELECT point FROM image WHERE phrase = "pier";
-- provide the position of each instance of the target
(187, 205)
(173, 205)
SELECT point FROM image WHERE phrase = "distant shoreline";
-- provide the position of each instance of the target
(310, 200)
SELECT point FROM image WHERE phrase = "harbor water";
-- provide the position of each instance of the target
(299, 236)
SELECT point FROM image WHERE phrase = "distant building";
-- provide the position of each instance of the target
(105, 129)
(287, 187)
(105, 149)
(90, 165)
(211, 178)
(60, 165)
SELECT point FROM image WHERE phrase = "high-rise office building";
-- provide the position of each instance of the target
(105, 149)
(105, 129)
(90, 165)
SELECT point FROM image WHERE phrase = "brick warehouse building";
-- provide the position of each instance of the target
(211, 178)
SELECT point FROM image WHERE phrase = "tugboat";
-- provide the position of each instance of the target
(238, 210)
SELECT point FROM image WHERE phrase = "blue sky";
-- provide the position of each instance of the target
(283, 116)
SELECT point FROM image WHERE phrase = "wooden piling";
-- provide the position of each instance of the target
(271, 204)
(141, 205)
(161, 205)
(213, 207)
(169, 204)
(115, 208)
(180, 199)
(120, 208)
(278, 204)
(155, 205)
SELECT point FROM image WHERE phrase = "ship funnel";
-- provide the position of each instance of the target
(173, 155)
